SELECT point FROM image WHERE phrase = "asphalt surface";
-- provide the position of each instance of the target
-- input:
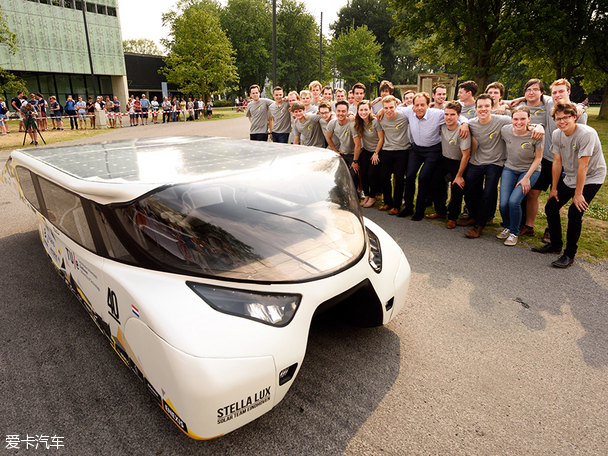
(495, 353)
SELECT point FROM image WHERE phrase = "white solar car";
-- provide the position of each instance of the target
(203, 260)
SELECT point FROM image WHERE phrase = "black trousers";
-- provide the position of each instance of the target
(428, 158)
(575, 217)
(393, 162)
(370, 173)
(446, 171)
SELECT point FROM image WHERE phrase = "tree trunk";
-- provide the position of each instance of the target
(603, 115)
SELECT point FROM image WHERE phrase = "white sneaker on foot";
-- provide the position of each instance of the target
(504, 234)
(511, 240)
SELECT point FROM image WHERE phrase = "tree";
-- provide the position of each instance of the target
(200, 59)
(479, 37)
(141, 46)
(248, 25)
(408, 63)
(297, 46)
(596, 74)
(9, 82)
(358, 56)
(377, 15)
(562, 43)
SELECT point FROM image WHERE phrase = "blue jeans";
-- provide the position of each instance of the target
(280, 137)
(511, 197)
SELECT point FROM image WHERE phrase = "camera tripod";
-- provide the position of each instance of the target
(35, 127)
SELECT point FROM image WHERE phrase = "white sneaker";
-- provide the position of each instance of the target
(504, 234)
(511, 240)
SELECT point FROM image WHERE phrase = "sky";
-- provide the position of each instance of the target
(142, 18)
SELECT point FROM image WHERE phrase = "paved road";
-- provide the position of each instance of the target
(495, 353)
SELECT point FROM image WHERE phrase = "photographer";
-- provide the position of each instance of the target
(28, 113)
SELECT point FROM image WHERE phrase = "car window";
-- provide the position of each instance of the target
(297, 223)
(27, 186)
(64, 210)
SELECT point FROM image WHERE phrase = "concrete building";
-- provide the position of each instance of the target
(52, 55)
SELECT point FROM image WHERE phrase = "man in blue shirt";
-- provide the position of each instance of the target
(145, 106)
(70, 110)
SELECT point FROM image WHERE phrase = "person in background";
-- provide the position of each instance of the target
(155, 107)
(70, 110)
(42, 105)
(3, 111)
(55, 114)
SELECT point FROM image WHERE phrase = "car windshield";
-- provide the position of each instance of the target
(295, 219)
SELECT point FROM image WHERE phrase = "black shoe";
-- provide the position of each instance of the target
(405, 213)
(548, 248)
(563, 262)
(417, 216)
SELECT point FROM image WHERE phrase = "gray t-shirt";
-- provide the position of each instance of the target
(451, 144)
(370, 135)
(281, 117)
(346, 133)
(309, 131)
(468, 111)
(335, 139)
(491, 148)
(584, 142)
(258, 111)
(550, 127)
(396, 131)
(521, 150)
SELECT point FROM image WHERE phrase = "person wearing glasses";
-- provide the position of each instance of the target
(577, 149)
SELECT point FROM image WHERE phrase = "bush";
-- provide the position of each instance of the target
(223, 103)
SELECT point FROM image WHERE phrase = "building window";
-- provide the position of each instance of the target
(111, 11)
(91, 7)
(68, 4)
(46, 2)
(78, 5)
(101, 9)
(57, 2)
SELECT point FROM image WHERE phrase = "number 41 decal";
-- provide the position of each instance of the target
(113, 305)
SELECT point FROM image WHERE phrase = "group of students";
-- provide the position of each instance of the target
(392, 148)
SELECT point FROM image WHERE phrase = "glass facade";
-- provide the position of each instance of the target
(51, 37)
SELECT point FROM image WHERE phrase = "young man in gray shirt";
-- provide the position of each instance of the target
(350, 142)
(578, 150)
(279, 117)
(395, 155)
(257, 112)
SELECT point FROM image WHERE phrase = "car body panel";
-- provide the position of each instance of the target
(210, 371)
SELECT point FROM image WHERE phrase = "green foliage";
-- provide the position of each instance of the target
(478, 37)
(377, 15)
(7, 37)
(141, 46)
(408, 63)
(297, 46)
(9, 83)
(358, 56)
(201, 58)
(248, 25)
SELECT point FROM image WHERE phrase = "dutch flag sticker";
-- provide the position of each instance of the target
(135, 311)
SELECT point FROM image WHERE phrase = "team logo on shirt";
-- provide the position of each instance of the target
(539, 112)
(526, 145)
(452, 142)
(495, 132)
(471, 111)
(398, 125)
(346, 133)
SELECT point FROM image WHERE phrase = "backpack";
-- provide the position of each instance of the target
(4, 108)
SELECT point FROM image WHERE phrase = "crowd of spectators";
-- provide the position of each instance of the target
(81, 113)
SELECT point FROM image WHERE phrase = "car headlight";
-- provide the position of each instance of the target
(375, 253)
(269, 308)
